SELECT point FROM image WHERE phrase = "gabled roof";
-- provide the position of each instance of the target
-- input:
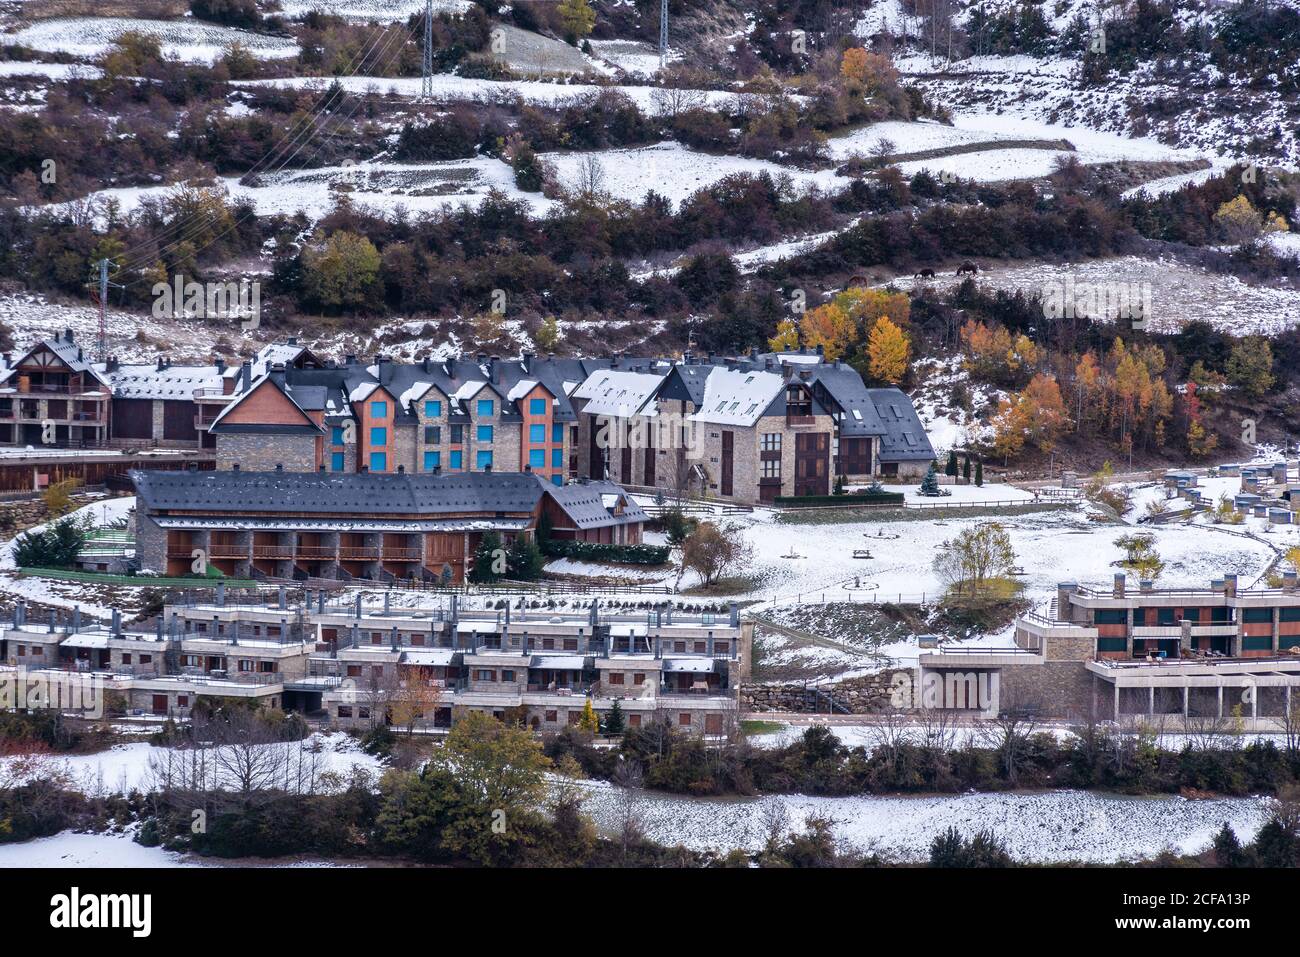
(593, 504)
(66, 349)
(839, 386)
(904, 438)
(225, 424)
(737, 397)
(620, 393)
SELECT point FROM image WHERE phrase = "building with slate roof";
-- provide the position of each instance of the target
(369, 525)
(52, 397)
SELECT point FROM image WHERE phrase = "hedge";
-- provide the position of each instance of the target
(863, 498)
(599, 552)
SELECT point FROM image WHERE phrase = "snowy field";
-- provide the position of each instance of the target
(632, 56)
(1180, 293)
(187, 39)
(674, 171)
(1049, 827)
(139, 765)
(378, 11)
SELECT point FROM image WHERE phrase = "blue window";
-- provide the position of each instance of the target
(336, 462)
(557, 433)
(378, 436)
(483, 460)
(432, 460)
(557, 480)
(485, 433)
(536, 406)
(456, 459)
(379, 410)
(537, 433)
(557, 458)
(485, 407)
(336, 435)
(537, 458)
(433, 408)
(378, 462)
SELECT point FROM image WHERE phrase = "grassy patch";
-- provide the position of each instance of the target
(734, 585)
(139, 581)
(748, 728)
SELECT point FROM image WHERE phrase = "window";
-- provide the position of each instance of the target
(245, 664)
(684, 719)
(616, 677)
(638, 678)
(336, 435)
(508, 674)
(557, 434)
(537, 433)
(126, 657)
(634, 721)
(570, 644)
(336, 462)
(771, 468)
(345, 711)
(557, 458)
(537, 458)
(485, 674)
(433, 435)
(455, 459)
(557, 480)
(484, 433)
(146, 659)
(1257, 615)
(536, 406)
(457, 434)
(378, 436)
(551, 716)
(433, 408)
(485, 407)
(1109, 616)
(354, 671)
(182, 701)
(378, 462)
(379, 410)
(771, 442)
(483, 461)
(432, 460)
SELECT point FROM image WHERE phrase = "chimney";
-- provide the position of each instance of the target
(753, 352)
(322, 467)
(1288, 581)
(245, 374)
(1230, 585)
(221, 365)
(365, 468)
(424, 365)
(1146, 586)
(67, 335)
(279, 466)
(277, 373)
(162, 363)
(488, 467)
(350, 359)
(1217, 586)
(293, 340)
(528, 358)
(1185, 637)
(527, 468)
(401, 469)
(1118, 589)
(111, 365)
(234, 467)
(191, 466)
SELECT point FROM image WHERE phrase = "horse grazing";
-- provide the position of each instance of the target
(924, 274)
(967, 267)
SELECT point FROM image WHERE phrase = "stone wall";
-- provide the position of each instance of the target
(255, 452)
(1055, 689)
(867, 694)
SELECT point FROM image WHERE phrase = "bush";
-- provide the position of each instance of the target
(55, 546)
(599, 552)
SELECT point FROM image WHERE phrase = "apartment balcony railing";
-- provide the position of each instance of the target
(273, 551)
(209, 393)
(227, 550)
(401, 554)
(358, 553)
(316, 551)
(88, 395)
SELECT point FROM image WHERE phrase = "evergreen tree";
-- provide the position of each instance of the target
(930, 484)
(1276, 845)
(489, 559)
(1227, 849)
(965, 469)
(839, 485)
(524, 559)
(951, 467)
(979, 474)
(614, 721)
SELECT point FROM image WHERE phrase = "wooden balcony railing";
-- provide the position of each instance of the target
(273, 551)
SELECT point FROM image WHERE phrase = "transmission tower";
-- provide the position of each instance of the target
(663, 33)
(426, 76)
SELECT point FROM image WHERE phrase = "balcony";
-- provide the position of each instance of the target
(227, 550)
(401, 554)
(273, 551)
(360, 553)
(1176, 631)
(316, 551)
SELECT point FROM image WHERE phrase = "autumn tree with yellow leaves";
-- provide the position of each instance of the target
(888, 350)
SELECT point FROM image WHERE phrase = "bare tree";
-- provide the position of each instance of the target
(629, 780)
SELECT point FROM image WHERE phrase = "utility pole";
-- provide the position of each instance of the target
(100, 285)
(426, 77)
(663, 33)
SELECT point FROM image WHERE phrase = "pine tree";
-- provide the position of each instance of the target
(577, 17)
(489, 564)
(839, 485)
(979, 474)
(965, 468)
(524, 559)
(614, 721)
(930, 484)
(951, 467)
(1227, 849)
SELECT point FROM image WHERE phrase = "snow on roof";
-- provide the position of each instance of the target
(467, 389)
(737, 397)
(558, 662)
(361, 392)
(697, 665)
(173, 382)
(521, 389)
(417, 389)
(478, 627)
(619, 393)
(431, 656)
(86, 641)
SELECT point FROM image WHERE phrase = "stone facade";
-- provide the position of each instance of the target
(867, 694)
(262, 453)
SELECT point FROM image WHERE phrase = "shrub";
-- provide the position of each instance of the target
(600, 552)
